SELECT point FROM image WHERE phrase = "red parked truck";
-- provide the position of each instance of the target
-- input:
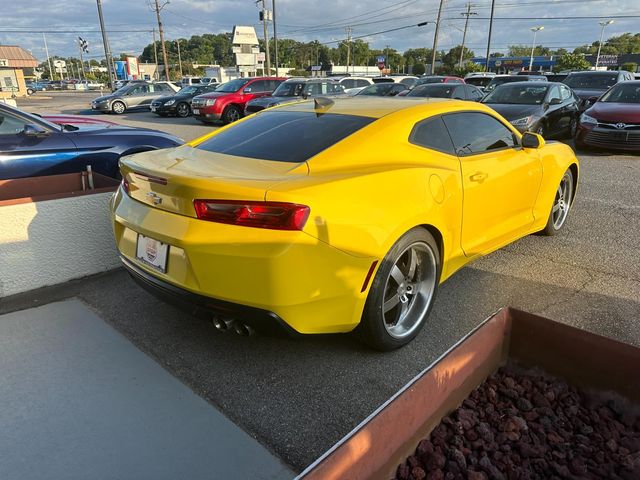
(227, 102)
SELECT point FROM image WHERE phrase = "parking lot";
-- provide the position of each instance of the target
(299, 396)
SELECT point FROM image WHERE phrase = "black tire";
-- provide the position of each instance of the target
(561, 206)
(183, 110)
(573, 128)
(30, 91)
(231, 114)
(118, 107)
(373, 329)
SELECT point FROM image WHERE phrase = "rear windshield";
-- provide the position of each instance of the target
(284, 136)
(592, 80)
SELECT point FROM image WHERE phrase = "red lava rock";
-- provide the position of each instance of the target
(526, 425)
(418, 474)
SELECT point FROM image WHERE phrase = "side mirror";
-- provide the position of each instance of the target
(532, 140)
(247, 90)
(33, 130)
(592, 100)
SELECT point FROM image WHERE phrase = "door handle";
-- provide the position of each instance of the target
(478, 177)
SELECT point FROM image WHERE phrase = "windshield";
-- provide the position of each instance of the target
(478, 81)
(233, 85)
(623, 93)
(517, 95)
(190, 90)
(501, 80)
(284, 136)
(432, 90)
(592, 80)
(382, 89)
(288, 89)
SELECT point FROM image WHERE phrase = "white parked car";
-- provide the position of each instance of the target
(353, 85)
(408, 80)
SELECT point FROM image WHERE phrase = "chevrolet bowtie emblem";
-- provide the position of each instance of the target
(155, 198)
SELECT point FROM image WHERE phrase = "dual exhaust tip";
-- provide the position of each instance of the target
(225, 324)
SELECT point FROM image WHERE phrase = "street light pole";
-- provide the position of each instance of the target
(602, 24)
(275, 37)
(535, 30)
(493, 5)
(179, 57)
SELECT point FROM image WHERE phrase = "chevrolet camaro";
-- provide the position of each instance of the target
(336, 215)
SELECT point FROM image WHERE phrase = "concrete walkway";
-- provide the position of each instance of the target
(79, 401)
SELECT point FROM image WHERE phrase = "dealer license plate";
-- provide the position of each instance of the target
(152, 252)
(196, 111)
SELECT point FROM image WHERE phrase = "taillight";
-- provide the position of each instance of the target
(125, 186)
(272, 215)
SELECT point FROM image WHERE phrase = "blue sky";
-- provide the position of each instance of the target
(130, 22)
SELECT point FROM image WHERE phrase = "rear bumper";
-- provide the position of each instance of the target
(288, 277)
(609, 138)
(262, 321)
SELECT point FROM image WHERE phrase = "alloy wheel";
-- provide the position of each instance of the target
(562, 202)
(409, 289)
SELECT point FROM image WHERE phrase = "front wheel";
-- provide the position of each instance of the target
(30, 91)
(118, 107)
(402, 292)
(561, 205)
(231, 114)
(183, 110)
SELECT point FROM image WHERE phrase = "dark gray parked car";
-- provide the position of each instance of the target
(296, 89)
(131, 96)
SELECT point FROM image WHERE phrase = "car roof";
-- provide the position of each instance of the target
(594, 72)
(532, 84)
(378, 107)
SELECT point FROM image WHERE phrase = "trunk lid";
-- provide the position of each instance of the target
(171, 179)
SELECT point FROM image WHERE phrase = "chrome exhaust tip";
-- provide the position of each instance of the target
(242, 329)
(220, 324)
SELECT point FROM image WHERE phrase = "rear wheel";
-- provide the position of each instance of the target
(561, 205)
(30, 91)
(183, 110)
(402, 292)
(118, 107)
(231, 114)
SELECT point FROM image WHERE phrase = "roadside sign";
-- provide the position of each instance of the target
(381, 62)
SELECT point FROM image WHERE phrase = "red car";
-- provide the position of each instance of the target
(228, 101)
(613, 121)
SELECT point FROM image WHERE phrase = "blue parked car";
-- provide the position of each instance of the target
(33, 87)
(31, 146)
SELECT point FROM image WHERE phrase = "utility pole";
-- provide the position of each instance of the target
(179, 57)
(349, 30)
(265, 18)
(535, 30)
(435, 39)
(155, 55)
(157, 9)
(275, 36)
(468, 13)
(493, 5)
(107, 49)
(46, 50)
(386, 58)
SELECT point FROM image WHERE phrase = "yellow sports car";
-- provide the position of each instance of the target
(336, 215)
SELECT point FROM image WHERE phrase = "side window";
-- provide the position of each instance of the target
(474, 132)
(398, 87)
(554, 94)
(10, 125)
(458, 93)
(472, 92)
(348, 83)
(162, 87)
(361, 83)
(273, 84)
(565, 93)
(258, 86)
(432, 134)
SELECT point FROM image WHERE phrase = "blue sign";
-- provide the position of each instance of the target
(381, 59)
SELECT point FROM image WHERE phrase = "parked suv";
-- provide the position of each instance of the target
(590, 85)
(228, 101)
(134, 95)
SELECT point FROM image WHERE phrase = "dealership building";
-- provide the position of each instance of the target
(13, 61)
(544, 63)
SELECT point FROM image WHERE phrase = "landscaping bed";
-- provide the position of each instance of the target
(526, 424)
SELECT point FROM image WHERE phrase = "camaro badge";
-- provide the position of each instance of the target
(152, 249)
(155, 199)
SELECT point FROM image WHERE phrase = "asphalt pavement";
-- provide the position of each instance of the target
(299, 396)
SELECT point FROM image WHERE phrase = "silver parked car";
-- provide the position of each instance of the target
(133, 95)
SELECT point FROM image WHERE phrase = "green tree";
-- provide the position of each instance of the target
(525, 51)
(630, 67)
(452, 58)
(572, 61)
